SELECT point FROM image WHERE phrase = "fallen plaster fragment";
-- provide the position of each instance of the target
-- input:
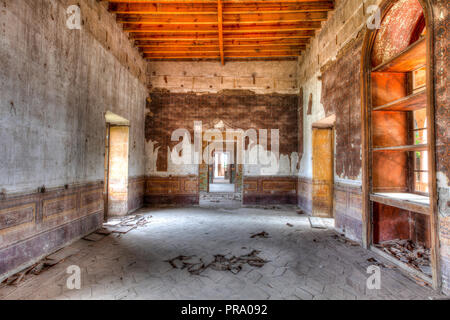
(233, 264)
(341, 238)
(41, 266)
(126, 224)
(260, 235)
(317, 223)
(379, 264)
(94, 237)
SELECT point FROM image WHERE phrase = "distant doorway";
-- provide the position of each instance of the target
(222, 176)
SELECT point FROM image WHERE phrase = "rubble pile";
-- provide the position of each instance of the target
(413, 254)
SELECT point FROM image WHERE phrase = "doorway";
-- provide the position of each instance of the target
(222, 176)
(116, 166)
(323, 171)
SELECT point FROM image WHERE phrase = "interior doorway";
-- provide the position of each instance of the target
(222, 173)
(323, 171)
(116, 166)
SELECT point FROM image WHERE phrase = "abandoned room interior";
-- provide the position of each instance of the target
(224, 149)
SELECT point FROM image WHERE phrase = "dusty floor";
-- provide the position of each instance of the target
(221, 187)
(304, 263)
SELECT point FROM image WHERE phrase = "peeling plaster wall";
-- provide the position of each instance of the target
(329, 73)
(56, 85)
(236, 110)
(326, 51)
(314, 87)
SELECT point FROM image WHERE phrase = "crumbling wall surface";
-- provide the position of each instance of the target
(56, 85)
(341, 95)
(329, 77)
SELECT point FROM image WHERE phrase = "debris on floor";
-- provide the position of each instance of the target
(94, 237)
(97, 235)
(341, 238)
(196, 266)
(413, 254)
(374, 261)
(273, 208)
(260, 235)
(317, 223)
(290, 225)
(103, 231)
(419, 281)
(301, 212)
(41, 266)
(126, 224)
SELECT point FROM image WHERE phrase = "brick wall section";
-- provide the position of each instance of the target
(241, 109)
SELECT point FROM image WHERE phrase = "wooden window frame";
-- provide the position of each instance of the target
(366, 110)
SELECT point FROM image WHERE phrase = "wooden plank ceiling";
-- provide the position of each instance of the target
(220, 29)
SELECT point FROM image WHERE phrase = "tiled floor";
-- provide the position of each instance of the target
(304, 263)
(222, 187)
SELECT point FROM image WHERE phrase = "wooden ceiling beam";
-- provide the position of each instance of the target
(256, 18)
(211, 8)
(199, 55)
(220, 29)
(279, 27)
(227, 2)
(208, 37)
(226, 49)
(220, 26)
(215, 43)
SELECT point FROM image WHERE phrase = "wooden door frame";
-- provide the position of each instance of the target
(106, 186)
(366, 105)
